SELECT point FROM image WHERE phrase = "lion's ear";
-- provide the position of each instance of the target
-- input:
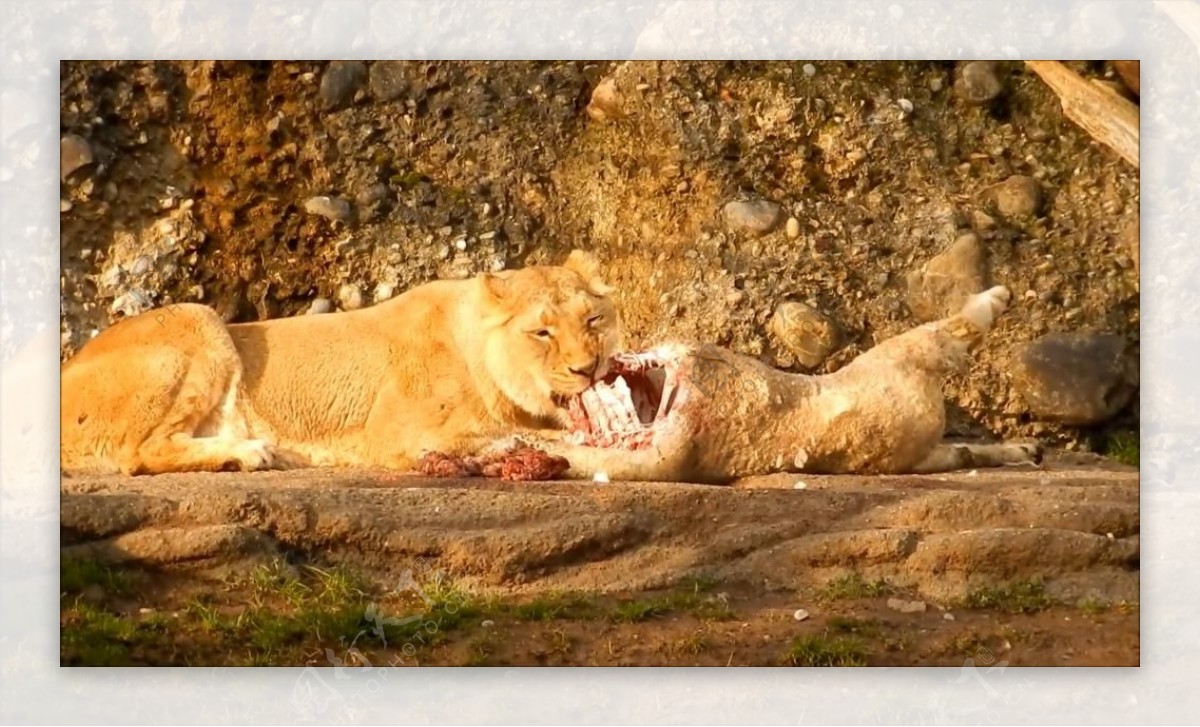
(599, 287)
(494, 286)
(584, 263)
(588, 267)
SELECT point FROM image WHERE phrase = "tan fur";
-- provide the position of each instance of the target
(884, 413)
(447, 366)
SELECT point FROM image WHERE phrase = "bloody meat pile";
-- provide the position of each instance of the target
(520, 463)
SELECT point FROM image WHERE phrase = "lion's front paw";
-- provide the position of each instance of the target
(254, 454)
(1033, 450)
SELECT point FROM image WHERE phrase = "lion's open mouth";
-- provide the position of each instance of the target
(623, 409)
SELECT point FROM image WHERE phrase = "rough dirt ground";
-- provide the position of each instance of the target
(1062, 538)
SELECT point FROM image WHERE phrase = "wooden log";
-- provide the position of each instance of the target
(1101, 112)
(1131, 74)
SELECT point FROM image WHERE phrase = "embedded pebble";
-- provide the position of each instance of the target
(607, 102)
(935, 84)
(601, 478)
(373, 202)
(388, 80)
(75, 153)
(350, 297)
(800, 614)
(977, 82)
(942, 285)
(487, 623)
(793, 228)
(130, 303)
(64, 205)
(335, 209)
(142, 265)
(461, 244)
(340, 81)
(905, 105)
(948, 616)
(809, 70)
(1016, 197)
(807, 333)
(320, 305)
(754, 217)
(383, 291)
(800, 485)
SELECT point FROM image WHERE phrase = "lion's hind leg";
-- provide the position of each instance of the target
(158, 394)
(949, 457)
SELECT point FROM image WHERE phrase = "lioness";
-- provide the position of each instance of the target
(448, 366)
(705, 414)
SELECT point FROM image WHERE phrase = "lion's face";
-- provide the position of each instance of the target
(551, 331)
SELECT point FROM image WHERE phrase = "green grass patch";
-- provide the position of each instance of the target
(853, 586)
(555, 606)
(826, 650)
(1124, 447)
(1018, 597)
(700, 605)
(77, 574)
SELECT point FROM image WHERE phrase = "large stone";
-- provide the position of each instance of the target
(607, 102)
(1075, 378)
(388, 80)
(1016, 197)
(804, 331)
(941, 286)
(340, 82)
(75, 153)
(753, 217)
(978, 83)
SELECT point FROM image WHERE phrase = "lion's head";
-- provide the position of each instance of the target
(549, 331)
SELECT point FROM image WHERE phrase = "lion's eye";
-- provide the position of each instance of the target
(542, 333)
(594, 321)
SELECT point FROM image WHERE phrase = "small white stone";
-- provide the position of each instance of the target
(935, 84)
(64, 205)
(142, 265)
(320, 305)
(793, 228)
(809, 70)
(800, 485)
(461, 243)
(800, 614)
(600, 477)
(350, 296)
(642, 86)
(948, 616)
(383, 291)
(905, 105)
(487, 623)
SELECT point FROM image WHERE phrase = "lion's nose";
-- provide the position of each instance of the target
(589, 370)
